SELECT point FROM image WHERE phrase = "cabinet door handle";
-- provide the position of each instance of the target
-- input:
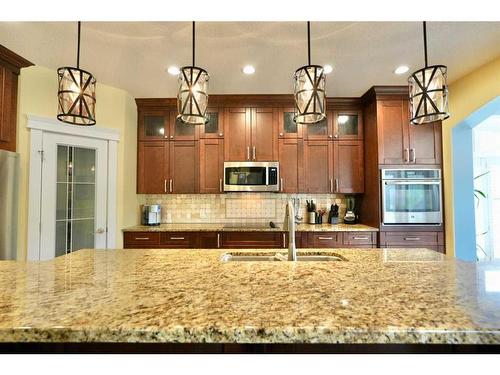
(336, 185)
(325, 238)
(220, 184)
(141, 238)
(221, 134)
(171, 185)
(177, 238)
(165, 186)
(218, 240)
(281, 183)
(412, 238)
(360, 238)
(253, 152)
(331, 185)
(414, 158)
(248, 152)
(407, 155)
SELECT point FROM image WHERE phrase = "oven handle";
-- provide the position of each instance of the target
(412, 182)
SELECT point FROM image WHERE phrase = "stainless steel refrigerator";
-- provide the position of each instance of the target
(9, 195)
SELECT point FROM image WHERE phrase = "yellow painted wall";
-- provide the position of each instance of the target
(467, 94)
(115, 109)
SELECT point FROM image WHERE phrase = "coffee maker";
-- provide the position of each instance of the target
(351, 214)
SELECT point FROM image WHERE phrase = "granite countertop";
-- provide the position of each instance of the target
(249, 228)
(177, 296)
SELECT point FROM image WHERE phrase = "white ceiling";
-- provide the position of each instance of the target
(135, 55)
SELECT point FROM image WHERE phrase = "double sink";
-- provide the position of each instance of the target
(278, 257)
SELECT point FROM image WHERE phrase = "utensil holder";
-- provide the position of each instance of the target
(312, 217)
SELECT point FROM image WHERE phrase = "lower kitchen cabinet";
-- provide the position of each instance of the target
(359, 239)
(324, 239)
(209, 240)
(141, 240)
(253, 240)
(431, 240)
(179, 240)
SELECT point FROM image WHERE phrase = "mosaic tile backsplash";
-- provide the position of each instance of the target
(237, 207)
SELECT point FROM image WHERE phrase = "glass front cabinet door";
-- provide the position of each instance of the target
(348, 125)
(287, 127)
(214, 127)
(153, 125)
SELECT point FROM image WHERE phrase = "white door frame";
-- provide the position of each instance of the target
(38, 127)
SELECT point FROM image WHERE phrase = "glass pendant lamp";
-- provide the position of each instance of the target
(309, 90)
(192, 97)
(76, 94)
(428, 91)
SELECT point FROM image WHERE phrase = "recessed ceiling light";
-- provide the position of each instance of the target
(173, 70)
(327, 68)
(248, 69)
(401, 69)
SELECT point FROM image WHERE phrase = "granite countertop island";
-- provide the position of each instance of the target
(249, 228)
(376, 296)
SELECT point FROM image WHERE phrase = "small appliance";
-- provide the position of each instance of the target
(351, 214)
(151, 214)
(251, 176)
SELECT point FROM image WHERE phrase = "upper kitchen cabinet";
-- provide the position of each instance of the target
(322, 130)
(183, 167)
(152, 167)
(211, 165)
(153, 124)
(250, 134)
(214, 128)
(291, 165)
(348, 167)
(318, 166)
(10, 66)
(399, 142)
(347, 125)
(180, 131)
(287, 127)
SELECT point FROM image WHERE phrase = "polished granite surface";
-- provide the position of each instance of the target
(250, 228)
(376, 296)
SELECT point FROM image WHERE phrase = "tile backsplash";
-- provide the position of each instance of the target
(237, 207)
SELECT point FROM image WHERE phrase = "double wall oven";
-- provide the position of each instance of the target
(412, 196)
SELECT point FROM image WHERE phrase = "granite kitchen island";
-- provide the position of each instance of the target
(188, 300)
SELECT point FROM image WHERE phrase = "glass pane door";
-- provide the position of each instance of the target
(76, 190)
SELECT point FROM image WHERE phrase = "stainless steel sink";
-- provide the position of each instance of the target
(278, 257)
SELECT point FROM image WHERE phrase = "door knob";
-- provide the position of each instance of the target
(100, 230)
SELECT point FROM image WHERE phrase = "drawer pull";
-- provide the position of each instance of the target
(218, 240)
(284, 241)
(177, 238)
(360, 238)
(412, 238)
(325, 238)
(142, 238)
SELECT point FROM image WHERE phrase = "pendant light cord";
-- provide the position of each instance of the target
(193, 43)
(308, 43)
(425, 44)
(78, 48)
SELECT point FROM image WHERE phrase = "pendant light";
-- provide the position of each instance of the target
(76, 95)
(428, 92)
(192, 98)
(309, 90)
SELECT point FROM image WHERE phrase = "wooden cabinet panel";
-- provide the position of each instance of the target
(153, 125)
(237, 134)
(179, 240)
(209, 240)
(392, 119)
(291, 165)
(324, 239)
(322, 130)
(411, 239)
(141, 240)
(152, 167)
(353, 239)
(348, 167)
(425, 143)
(180, 131)
(264, 133)
(348, 125)
(184, 163)
(251, 240)
(287, 127)
(211, 166)
(214, 128)
(318, 166)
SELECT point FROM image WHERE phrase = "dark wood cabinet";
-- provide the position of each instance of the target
(425, 143)
(348, 125)
(183, 170)
(318, 166)
(253, 240)
(324, 239)
(393, 128)
(141, 240)
(153, 125)
(359, 239)
(291, 165)
(152, 167)
(10, 66)
(179, 240)
(287, 127)
(264, 145)
(237, 134)
(211, 166)
(180, 131)
(348, 167)
(413, 239)
(320, 131)
(214, 128)
(209, 240)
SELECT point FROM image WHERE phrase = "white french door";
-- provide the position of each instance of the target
(73, 194)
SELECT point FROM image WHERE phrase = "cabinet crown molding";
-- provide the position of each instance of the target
(12, 59)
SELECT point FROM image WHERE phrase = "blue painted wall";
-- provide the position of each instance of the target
(463, 180)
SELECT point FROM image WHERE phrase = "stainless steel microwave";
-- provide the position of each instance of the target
(411, 196)
(251, 176)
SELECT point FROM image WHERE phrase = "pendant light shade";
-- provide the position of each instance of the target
(192, 97)
(76, 94)
(309, 90)
(428, 92)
